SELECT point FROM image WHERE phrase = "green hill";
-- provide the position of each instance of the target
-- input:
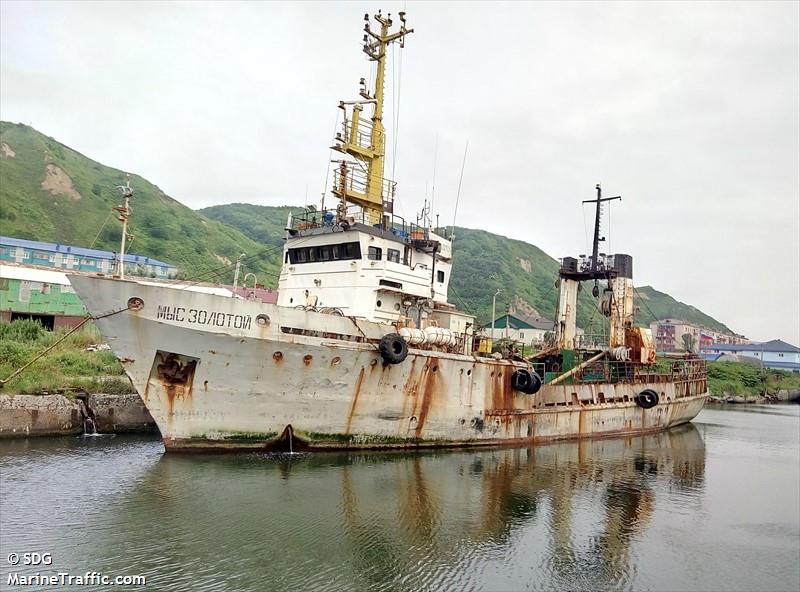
(663, 306)
(263, 224)
(52, 193)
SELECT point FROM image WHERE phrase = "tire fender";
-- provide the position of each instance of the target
(393, 348)
(647, 399)
(525, 381)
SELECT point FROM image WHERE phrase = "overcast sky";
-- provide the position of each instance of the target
(688, 110)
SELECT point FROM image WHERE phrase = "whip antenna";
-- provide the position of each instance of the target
(458, 193)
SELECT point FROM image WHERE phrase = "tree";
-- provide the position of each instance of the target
(689, 342)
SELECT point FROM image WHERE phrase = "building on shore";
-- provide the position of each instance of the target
(27, 252)
(669, 335)
(514, 328)
(41, 294)
(45, 295)
(775, 354)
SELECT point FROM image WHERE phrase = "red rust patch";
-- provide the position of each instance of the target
(354, 402)
(429, 392)
(176, 375)
(502, 391)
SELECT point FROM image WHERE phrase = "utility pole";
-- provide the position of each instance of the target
(236, 273)
(124, 212)
(494, 306)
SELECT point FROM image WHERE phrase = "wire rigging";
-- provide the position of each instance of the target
(458, 193)
(110, 213)
(396, 108)
(330, 161)
(644, 302)
(585, 228)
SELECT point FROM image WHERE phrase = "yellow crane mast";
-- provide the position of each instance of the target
(361, 182)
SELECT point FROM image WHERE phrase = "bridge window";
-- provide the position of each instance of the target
(339, 252)
(440, 276)
(375, 253)
(393, 255)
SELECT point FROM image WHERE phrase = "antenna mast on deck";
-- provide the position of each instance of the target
(124, 213)
(362, 182)
(598, 212)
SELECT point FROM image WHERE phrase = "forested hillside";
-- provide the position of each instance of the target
(50, 192)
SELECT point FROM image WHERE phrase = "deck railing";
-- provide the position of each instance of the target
(610, 371)
(397, 225)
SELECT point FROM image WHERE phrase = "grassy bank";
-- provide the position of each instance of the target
(736, 378)
(68, 366)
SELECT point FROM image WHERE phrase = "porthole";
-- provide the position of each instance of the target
(397, 306)
(262, 320)
(135, 303)
(277, 356)
(378, 304)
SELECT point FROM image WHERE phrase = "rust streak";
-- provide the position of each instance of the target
(355, 400)
(428, 392)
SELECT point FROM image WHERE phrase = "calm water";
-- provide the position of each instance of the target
(712, 506)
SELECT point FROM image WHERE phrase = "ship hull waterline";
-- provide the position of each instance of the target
(223, 374)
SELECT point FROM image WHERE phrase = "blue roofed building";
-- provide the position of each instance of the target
(775, 354)
(20, 251)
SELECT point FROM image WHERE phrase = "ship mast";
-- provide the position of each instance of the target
(598, 201)
(362, 182)
(124, 213)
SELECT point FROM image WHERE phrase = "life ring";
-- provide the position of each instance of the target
(647, 399)
(526, 381)
(393, 348)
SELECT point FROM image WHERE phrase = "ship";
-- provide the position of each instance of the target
(363, 349)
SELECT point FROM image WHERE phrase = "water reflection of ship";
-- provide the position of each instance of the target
(412, 516)
(621, 475)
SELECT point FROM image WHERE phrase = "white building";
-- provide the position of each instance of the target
(774, 354)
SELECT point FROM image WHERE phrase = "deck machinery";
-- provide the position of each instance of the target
(626, 342)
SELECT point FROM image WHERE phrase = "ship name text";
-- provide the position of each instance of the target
(199, 316)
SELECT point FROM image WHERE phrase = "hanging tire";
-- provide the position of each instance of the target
(647, 399)
(526, 381)
(393, 348)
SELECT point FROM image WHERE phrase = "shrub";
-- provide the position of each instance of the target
(25, 330)
(15, 354)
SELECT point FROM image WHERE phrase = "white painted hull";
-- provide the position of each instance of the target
(233, 383)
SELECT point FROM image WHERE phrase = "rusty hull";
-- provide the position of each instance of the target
(222, 388)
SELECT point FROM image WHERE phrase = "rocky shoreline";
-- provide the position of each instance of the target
(782, 396)
(23, 416)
